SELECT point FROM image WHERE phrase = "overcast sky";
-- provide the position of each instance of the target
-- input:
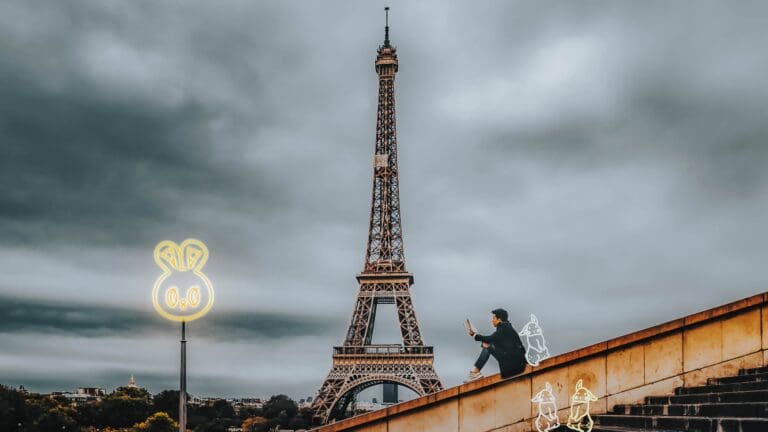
(599, 164)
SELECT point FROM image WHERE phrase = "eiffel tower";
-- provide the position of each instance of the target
(359, 364)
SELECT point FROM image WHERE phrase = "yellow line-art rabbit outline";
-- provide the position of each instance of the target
(579, 419)
(190, 255)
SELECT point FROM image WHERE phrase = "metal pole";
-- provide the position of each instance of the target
(183, 379)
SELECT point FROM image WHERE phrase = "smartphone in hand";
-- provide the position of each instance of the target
(468, 325)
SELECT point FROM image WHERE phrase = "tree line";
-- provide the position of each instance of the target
(130, 409)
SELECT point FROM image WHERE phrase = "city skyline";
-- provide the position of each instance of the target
(592, 158)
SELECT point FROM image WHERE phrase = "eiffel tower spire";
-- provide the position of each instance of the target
(386, 26)
(359, 363)
(385, 252)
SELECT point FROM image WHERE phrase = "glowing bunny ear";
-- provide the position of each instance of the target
(548, 387)
(194, 253)
(578, 385)
(533, 319)
(168, 256)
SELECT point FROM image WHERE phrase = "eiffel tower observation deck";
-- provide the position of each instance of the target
(358, 363)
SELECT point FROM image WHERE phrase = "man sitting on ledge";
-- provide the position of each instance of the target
(504, 345)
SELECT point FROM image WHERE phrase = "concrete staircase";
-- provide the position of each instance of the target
(733, 404)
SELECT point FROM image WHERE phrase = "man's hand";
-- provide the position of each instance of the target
(471, 332)
(485, 344)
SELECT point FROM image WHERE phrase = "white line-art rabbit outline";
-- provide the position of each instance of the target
(189, 256)
(534, 337)
(579, 418)
(547, 418)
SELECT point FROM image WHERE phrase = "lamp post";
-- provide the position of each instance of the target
(183, 379)
(182, 293)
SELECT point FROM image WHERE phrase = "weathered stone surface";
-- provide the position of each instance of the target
(592, 374)
(663, 358)
(477, 412)
(741, 334)
(600, 406)
(441, 417)
(519, 427)
(626, 369)
(702, 346)
(765, 327)
(731, 367)
(374, 427)
(561, 388)
(512, 402)
(637, 395)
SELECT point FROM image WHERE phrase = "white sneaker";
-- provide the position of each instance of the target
(473, 376)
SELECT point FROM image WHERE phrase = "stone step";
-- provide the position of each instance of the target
(625, 429)
(756, 370)
(724, 397)
(738, 409)
(718, 388)
(754, 377)
(596, 428)
(684, 423)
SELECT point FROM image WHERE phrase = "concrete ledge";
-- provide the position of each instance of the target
(684, 351)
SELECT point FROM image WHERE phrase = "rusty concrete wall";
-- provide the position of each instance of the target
(684, 352)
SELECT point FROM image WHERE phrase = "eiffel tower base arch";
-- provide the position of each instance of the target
(349, 376)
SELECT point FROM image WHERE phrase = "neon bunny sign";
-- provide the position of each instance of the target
(182, 292)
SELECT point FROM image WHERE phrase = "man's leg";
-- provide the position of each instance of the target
(482, 359)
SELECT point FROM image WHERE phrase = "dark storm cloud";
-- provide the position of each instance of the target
(31, 316)
(86, 169)
(36, 316)
(85, 161)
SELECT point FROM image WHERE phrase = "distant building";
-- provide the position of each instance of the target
(83, 395)
(240, 404)
(390, 393)
(132, 382)
(97, 392)
(366, 406)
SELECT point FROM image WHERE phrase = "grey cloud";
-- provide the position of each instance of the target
(89, 170)
(613, 150)
(33, 316)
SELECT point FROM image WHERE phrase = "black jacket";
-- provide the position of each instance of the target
(508, 347)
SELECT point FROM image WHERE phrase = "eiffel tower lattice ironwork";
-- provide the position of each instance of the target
(359, 364)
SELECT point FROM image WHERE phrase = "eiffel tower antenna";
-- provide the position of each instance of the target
(386, 26)
(358, 363)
